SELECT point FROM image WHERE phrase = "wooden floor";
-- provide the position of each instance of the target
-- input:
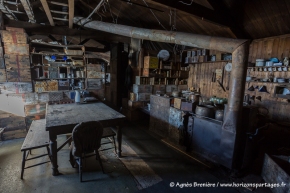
(147, 165)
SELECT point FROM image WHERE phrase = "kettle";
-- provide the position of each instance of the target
(77, 96)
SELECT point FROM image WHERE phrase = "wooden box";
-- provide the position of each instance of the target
(177, 102)
(35, 109)
(63, 85)
(150, 62)
(13, 37)
(2, 63)
(14, 29)
(188, 106)
(160, 88)
(135, 104)
(16, 87)
(94, 84)
(16, 61)
(143, 96)
(18, 75)
(18, 49)
(142, 88)
(78, 62)
(95, 74)
(94, 67)
(43, 86)
(3, 75)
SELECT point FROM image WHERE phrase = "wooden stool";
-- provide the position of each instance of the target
(108, 132)
(37, 137)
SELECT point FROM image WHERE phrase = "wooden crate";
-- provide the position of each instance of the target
(13, 37)
(74, 52)
(16, 87)
(2, 63)
(3, 75)
(94, 84)
(14, 29)
(63, 85)
(94, 67)
(142, 88)
(95, 74)
(18, 75)
(18, 49)
(35, 109)
(150, 62)
(16, 61)
(78, 62)
(43, 86)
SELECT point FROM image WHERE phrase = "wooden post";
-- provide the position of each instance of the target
(1, 21)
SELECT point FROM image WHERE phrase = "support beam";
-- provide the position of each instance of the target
(1, 21)
(28, 9)
(71, 10)
(7, 11)
(47, 12)
(84, 41)
(38, 29)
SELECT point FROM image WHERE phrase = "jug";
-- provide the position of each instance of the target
(77, 96)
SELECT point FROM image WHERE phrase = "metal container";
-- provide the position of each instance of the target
(219, 114)
(260, 62)
(205, 111)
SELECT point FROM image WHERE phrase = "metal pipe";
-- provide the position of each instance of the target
(187, 39)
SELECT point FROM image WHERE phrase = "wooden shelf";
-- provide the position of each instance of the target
(57, 54)
(210, 62)
(57, 45)
(57, 78)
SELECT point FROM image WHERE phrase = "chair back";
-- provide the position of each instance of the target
(87, 137)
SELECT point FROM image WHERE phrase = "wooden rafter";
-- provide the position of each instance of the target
(47, 12)
(7, 11)
(71, 5)
(28, 9)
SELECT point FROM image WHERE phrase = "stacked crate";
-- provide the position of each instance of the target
(16, 56)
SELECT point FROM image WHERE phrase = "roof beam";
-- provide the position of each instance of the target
(47, 12)
(28, 9)
(34, 28)
(71, 6)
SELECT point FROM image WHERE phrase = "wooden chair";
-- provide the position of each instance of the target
(37, 137)
(86, 139)
(109, 133)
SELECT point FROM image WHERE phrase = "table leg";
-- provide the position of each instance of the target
(119, 140)
(53, 154)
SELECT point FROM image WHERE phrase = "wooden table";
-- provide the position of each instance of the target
(62, 118)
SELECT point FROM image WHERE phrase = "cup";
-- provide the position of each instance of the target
(270, 69)
(285, 68)
(274, 69)
(265, 69)
(279, 69)
(260, 69)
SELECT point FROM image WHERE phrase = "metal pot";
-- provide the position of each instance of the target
(205, 111)
(219, 115)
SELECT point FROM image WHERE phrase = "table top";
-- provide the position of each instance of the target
(72, 114)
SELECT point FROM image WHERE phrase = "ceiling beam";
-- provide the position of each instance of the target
(28, 9)
(71, 9)
(34, 28)
(197, 10)
(47, 11)
(84, 41)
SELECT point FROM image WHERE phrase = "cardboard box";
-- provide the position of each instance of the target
(15, 29)
(151, 62)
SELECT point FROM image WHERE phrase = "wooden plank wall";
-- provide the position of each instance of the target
(279, 46)
(200, 76)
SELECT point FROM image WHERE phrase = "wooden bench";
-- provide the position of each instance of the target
(37, 137)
